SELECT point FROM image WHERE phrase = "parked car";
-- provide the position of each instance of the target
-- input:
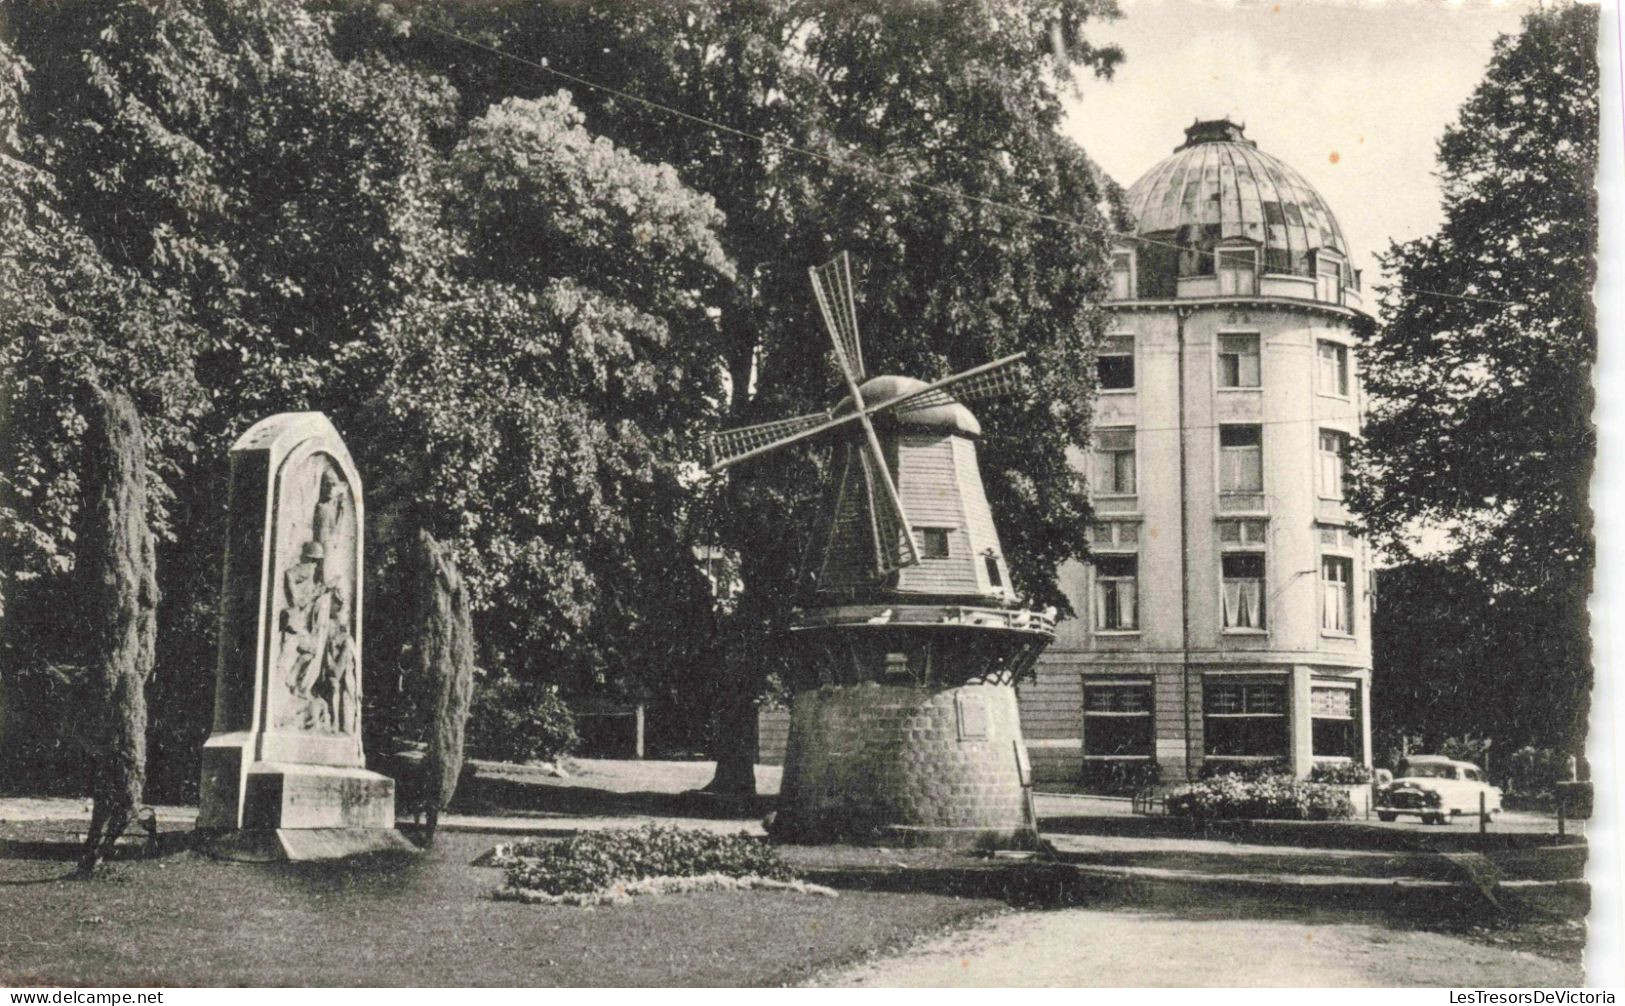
(1435, 789)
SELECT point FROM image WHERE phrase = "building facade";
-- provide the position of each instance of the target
(1225, 619)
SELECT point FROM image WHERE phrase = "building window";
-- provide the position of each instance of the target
(1238, 272)
(1117, 606)
(1117, 721)
(1328, 280)
(1122, 275)
(1238, 361)
(1114, 462)
(1241, 460)
(1334, 536)
(995, 576)
(1334, 447)
(1243, 600)
(1242, 532)
(932, 542)
(1244, 719)
(1334, 369)
(1115, 363)
(1107, 534)
(1337, 594)
(1334, 722)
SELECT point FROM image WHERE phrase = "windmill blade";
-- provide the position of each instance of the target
(733, 446)
(990, 380)
(832, 284)
(894, 540)
(848, 539)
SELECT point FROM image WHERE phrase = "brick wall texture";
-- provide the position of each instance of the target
(864, 757)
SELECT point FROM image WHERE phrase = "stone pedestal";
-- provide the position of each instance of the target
(907, 765)
(285, 761)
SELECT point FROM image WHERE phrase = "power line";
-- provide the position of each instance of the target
(891, 176)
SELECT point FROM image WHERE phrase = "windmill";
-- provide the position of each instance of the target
(867, 531)
(905, 712)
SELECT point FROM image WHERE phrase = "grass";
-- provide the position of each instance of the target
(186, 920)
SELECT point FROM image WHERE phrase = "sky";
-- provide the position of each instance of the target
(1354, 95)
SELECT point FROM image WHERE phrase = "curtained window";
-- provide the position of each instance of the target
(1117, 593)
(1337, 594)
(1333, 362)
(1243, 599)
(1241, 459)
(1334, 445)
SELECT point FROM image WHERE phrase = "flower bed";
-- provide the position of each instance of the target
(1275, 797)
(603, 862)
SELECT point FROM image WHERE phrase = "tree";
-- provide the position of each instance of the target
(72, 319)
(117, 594)
(1480, 376)
(855, 104)
(503, 313)
(443, 672)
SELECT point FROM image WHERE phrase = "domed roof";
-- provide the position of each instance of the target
(1219, 185)
(949, 417)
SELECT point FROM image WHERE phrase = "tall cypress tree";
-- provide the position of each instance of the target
(118, 594)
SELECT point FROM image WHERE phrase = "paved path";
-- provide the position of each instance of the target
(74, 812)
(1085, 947)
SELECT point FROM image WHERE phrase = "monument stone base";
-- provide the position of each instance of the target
(303, 844)
(272, 810)
(907, 765)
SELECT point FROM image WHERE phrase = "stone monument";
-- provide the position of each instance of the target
(283, 771)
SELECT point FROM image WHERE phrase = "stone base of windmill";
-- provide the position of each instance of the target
(907, 765)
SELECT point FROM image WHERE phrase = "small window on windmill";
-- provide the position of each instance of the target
(932, 541)
(897, 669)
(994, 577)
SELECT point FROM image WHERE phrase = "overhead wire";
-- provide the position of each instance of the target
(891, 176)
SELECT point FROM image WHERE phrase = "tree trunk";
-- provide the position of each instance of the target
(444, 671)
(117, 590)
(735, 747)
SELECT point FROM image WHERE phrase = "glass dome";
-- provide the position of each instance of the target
(1218, 189)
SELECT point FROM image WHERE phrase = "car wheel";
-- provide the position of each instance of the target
(1384, 816)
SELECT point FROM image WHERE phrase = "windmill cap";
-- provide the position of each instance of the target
(949, 417)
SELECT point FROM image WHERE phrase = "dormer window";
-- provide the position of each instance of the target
(1238, 272)
(1122, 275)
(1328, 278)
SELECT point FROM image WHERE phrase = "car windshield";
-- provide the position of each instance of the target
(1429, 771)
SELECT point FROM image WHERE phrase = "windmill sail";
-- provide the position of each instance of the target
(865, 538)
(732, 446)
(990, 380)
(832, 284)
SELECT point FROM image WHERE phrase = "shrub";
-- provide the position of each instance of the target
(595, 860)
(1120, 776)
(1536, 771)
(1340, 773)
(1276, 797)
(1245, 769)
(517, 722)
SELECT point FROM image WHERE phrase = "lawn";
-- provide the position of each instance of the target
(186, 920)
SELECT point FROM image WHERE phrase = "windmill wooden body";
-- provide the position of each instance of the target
(905, 716)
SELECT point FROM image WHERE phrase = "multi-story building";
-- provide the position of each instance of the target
(1226, 616)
